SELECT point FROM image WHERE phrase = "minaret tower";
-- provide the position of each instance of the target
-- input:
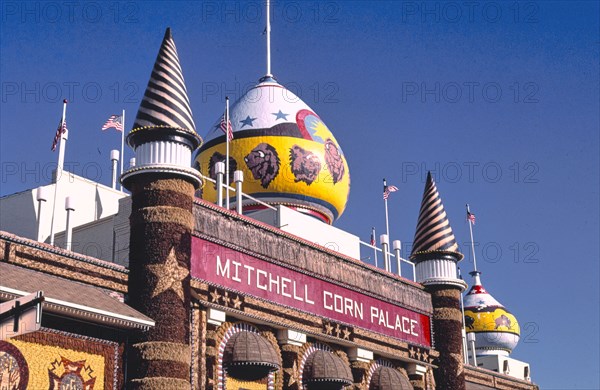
(162, 185)
(435, 253)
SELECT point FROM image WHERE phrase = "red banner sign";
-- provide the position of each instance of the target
(252, 276)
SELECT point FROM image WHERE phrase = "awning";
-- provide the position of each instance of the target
(387, 378)
(249, 356)
(325, 370)
(70, 299)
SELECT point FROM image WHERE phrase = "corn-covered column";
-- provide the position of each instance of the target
(162, 186)
(436, 255)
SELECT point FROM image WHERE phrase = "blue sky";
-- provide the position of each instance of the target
(499, 99)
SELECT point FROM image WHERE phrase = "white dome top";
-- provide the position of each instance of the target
(287, 153)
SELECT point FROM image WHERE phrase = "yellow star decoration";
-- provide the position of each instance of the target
(346, 334)
(226, 299)
(215, 296)
(337, 330)
(237, 303)
(169, 275)
(328, 328)
(293, 373)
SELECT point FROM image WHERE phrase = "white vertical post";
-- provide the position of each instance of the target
(374, 244)
(62, 145)
(69, 207)
(464, 330)
(220, 170)
(387, 221)
(59, 167)
(227, 152)
(397, 245)
(238, 178)
(471, 340)
(472, 242)
(114, 158)
(122, 146)
(385, 243)
(41, 198)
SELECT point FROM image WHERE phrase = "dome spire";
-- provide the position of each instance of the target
(165, 102)
(434, 234)
(268, 32)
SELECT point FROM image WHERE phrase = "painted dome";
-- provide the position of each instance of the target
(496, 329)
(286, 152)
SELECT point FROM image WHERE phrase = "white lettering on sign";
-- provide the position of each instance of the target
(399, 323)
(263, 280)
(343, 305)
(297, 290)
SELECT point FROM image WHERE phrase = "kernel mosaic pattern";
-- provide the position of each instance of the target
(235, 384)
(53, 367)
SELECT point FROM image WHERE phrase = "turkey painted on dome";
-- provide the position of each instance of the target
(287, 153)
(497, 330)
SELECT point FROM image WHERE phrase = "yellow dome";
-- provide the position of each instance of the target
(497, 330)
(286, 152)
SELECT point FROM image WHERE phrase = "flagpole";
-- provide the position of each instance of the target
(464, 329)
(62, 145)
(472, 242)
(122, 145)
(227, 151)
(387, 222)
(374, 246)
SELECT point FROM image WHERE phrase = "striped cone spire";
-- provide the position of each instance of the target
(165, 102)
(434, 234)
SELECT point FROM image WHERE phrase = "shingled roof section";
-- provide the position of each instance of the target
(69, 298)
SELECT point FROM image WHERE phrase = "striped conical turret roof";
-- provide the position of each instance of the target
(434, 234)
(165, 103)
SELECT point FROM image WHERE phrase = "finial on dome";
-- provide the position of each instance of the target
(434, 234)
(476, 277)
(165, 103)
(268, 32)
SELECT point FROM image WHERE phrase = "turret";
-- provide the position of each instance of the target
(435, 253)
(162, 186)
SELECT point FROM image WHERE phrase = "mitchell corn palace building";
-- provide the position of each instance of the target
(183, 293)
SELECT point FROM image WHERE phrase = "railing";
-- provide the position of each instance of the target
(239, 194)
(378, 253)
(382, 258)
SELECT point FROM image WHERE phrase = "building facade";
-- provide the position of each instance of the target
(210, 298)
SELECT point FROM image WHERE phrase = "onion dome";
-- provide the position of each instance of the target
(496, 330)
(434, 236)
(164, 134)
(286, 152)
(325, 370)
(249, 356)
(388, 378)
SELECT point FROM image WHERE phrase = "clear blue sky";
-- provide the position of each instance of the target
(499, 99)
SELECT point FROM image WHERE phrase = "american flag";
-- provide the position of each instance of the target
(373, 236)
(62, 128)
(115, 121)
(387, 190)
(471, 217)
(226, 129)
